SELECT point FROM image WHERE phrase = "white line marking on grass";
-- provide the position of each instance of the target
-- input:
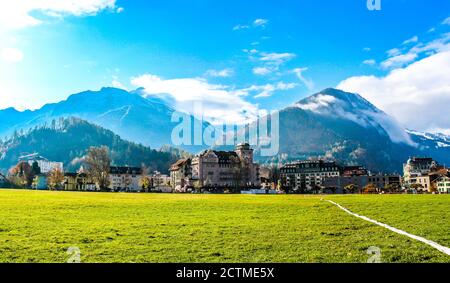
(435, 245)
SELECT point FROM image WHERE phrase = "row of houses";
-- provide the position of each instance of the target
(420, 175)
(121, 179)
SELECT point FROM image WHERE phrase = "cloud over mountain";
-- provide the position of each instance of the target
(216, 103)
(416, 95)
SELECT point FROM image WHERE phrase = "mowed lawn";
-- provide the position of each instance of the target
(41, 226)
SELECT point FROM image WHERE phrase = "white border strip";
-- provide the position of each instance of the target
(435, 245)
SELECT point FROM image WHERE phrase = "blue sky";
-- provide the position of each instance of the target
(256, 54)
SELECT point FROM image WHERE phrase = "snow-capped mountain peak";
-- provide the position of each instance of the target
(350, 106)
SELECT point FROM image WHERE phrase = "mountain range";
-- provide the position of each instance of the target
(128, 114)
(67, 140)
(344, 126)
(331, 124)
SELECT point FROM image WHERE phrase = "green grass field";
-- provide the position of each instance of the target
(41, 226)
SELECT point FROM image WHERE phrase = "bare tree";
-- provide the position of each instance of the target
(241, 173)
(145, 181)
(55, 179)
(98, 164)
(22, 174)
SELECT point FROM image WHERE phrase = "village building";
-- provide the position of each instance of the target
(160, 180)
(40, 182)
(307, 176)
(125, 179)
(78, 182)
(44, 164)
(217, 170)
(443, 184)
(226, 169)
(181, 174)
(416, 170)
(350, 171)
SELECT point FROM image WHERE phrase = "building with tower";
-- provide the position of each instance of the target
(220, 170)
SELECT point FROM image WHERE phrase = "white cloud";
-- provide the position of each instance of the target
(228, 72)
(417, 95)
(317, 103)
(276, 58)
(394, 52)
(24, 13)
(261, 71)
(120, 10)
(367, 49)
(256, 23)
(239, 27)
(12, 55)
(360, 112)
(307, 82)
(270, 62)
(446, 21)
(260, 22)
(220, 103)
(117, 84)
(370, 62)
(411, 40)
(251, 51)
(399, 60)
(268, 90)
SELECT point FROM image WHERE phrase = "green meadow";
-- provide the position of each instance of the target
(41, 226)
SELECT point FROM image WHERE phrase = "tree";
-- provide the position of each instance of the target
(55, 179)
(351, 189)
(416, 186)
(241, 173)
(146, 181)
(316, 189)
(22, 175)
(97, 166)
(127, 181)
(35, 169)
(392, 188)
(274, 174)
(370, 189)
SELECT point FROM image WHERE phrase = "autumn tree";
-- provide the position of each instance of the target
(22, 175)
(392, 188)
(370, 189)
(55, 179)
(416, 186)
(146, 181)
(351, 189)
(98, 164)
